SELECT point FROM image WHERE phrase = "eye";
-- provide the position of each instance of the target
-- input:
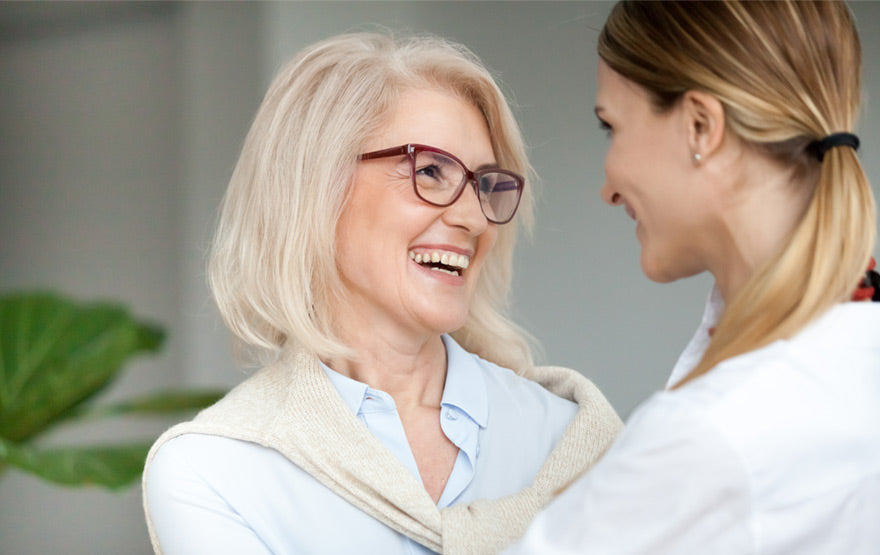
(606, 127)
(432, 171)
(435, 171)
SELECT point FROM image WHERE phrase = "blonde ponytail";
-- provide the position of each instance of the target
(787, 74)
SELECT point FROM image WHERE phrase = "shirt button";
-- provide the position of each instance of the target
(450, 415)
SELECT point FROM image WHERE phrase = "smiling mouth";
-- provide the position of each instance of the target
(446, 262)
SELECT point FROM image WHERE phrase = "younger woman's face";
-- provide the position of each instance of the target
(649, 170)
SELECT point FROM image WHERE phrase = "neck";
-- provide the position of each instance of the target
(763, 208)
(411, 370)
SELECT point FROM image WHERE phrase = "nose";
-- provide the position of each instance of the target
(467, 212)
(610, 196)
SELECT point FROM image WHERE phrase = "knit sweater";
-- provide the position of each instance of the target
(294, 409)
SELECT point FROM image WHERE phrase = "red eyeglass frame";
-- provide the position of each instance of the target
(412, 149)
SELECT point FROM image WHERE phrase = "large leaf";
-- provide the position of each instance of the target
(109, 466)
(55, 354)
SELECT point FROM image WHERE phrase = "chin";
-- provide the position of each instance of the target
(445, 323)
(452, 326)
(657, 271)
(658, 277)
(664, 271)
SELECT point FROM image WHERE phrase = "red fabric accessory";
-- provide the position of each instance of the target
(869, 287)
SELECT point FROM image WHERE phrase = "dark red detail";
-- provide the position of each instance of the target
(869, 287)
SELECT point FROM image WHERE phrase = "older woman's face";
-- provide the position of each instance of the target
(648, 170)
(385, 228)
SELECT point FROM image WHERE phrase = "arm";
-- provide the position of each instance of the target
(670, 484)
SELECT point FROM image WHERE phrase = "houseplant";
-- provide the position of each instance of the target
(56, 356)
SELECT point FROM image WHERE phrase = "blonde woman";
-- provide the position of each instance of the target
(731, 129)
(364, 250)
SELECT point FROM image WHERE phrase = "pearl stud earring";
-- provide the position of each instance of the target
(697, 157)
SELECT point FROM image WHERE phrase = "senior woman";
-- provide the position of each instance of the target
(732, 146)
(364, 250)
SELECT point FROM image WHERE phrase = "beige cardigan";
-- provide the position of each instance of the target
(295, 410)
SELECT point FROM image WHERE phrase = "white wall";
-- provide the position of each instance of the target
(119, 127)
(89, 164)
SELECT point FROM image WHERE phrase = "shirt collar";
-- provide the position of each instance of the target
(465, 388)
(692, 354)
(859, 320)
(352, 391)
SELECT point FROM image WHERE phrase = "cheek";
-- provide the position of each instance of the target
(486, 244)
(488, 239)
(624, 162)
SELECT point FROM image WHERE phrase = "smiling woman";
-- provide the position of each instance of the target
(732, 145)
(363, 254)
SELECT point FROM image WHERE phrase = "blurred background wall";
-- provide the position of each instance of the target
(119, 128)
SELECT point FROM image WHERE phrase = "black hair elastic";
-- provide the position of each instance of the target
(820, 147)
(873, 278)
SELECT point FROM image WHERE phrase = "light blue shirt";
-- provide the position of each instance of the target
(209, 494)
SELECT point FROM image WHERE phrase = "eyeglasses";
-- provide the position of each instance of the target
(439, 178)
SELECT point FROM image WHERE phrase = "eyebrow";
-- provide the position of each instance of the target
(487, 166)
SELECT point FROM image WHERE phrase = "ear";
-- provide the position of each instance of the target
(704, 117)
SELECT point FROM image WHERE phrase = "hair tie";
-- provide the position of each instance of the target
(820, 147)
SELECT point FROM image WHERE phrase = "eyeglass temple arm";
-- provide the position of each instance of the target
(393, 151)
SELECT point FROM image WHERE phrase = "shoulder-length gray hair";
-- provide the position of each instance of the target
(272, 267)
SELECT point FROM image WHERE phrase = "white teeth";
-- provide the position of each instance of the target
(446, 258)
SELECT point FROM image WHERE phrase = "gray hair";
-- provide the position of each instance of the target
(272, 267)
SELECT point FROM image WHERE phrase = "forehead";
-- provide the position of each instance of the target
(616, 92)
(437, 118)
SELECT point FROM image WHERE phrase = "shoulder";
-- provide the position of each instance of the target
(504, 385)
(836, 356)
(200, 472)
(211, 459)
(551, 398)
(517, 403)
(195, 447)
(553, 393)
(814, 397)
(235, 425)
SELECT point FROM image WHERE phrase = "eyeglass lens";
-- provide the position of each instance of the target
(439, 179)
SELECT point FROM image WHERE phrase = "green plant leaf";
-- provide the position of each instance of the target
(163, 402)
(112, 466)
(56, 354)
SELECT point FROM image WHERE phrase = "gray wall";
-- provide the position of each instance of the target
(119, 127)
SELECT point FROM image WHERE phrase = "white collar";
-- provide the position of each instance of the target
(698, 344)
